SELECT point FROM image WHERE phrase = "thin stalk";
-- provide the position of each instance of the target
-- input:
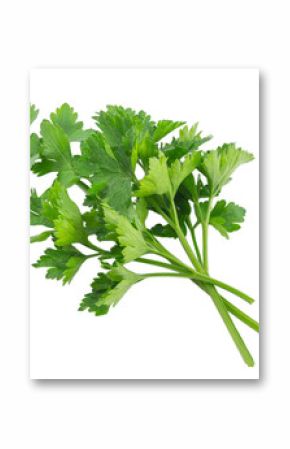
(82, 185)
(170, 266)
(188, 272)
(239, 342)
(194, 240)
(163, 252)
(90, 245)
(224, 286)
(183, 240)
(204, 225)
(246, 319)
(89, 256)
(238, 313)
(168, 274)
(162, 213)
(195, 197)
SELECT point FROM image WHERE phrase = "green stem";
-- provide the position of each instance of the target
(246, 319)
(89, 256)
(194, 240)
(238, 313)
(162, 213)
(160, 250)
(90, 245)
(239, 342)
(207, 280)
(163, 252)
(204, 225)
(195, 262)
(224, 286)
(183, 240)
(168, 274)
(82, 185)
(188, 272)
(222, 307)
(169, 266)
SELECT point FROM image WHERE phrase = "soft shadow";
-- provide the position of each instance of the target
(159, 384)
(262, 225)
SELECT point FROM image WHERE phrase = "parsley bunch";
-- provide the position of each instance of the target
(127, 172)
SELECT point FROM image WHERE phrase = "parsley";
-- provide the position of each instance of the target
(180, 182)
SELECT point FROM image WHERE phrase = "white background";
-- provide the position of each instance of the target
(145, 414)
(162, 329)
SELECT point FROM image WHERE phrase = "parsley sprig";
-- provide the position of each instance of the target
(126, 173)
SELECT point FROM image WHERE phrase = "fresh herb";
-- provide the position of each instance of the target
(126, 172)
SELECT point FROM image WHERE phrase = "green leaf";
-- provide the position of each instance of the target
(157, 181)
(108, 289)
(95, 224)
(190, 191)
(73, 265)
(68, 225)
(165, 127)
(92, 221)
(114, 254)
(192, 137)
(35, 148)
(92, 198)
(189, 140)
(225, 217)
(41, 237)
(90, 303)
(124, 280)
(128, 133)
(130, 238)
(218, 165)
(33, 113)
(120, 125)
(62, 263)
(66, 118)
(56, 144)
(143, 146)
(202, 189)
(105, 173)
(141, 213)
(56, 153)
(162, 179)
(178, 171)
(93, 154)
(163, 231)
(115, 122)
(37, 214)
(100, 286)
(44, 166)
